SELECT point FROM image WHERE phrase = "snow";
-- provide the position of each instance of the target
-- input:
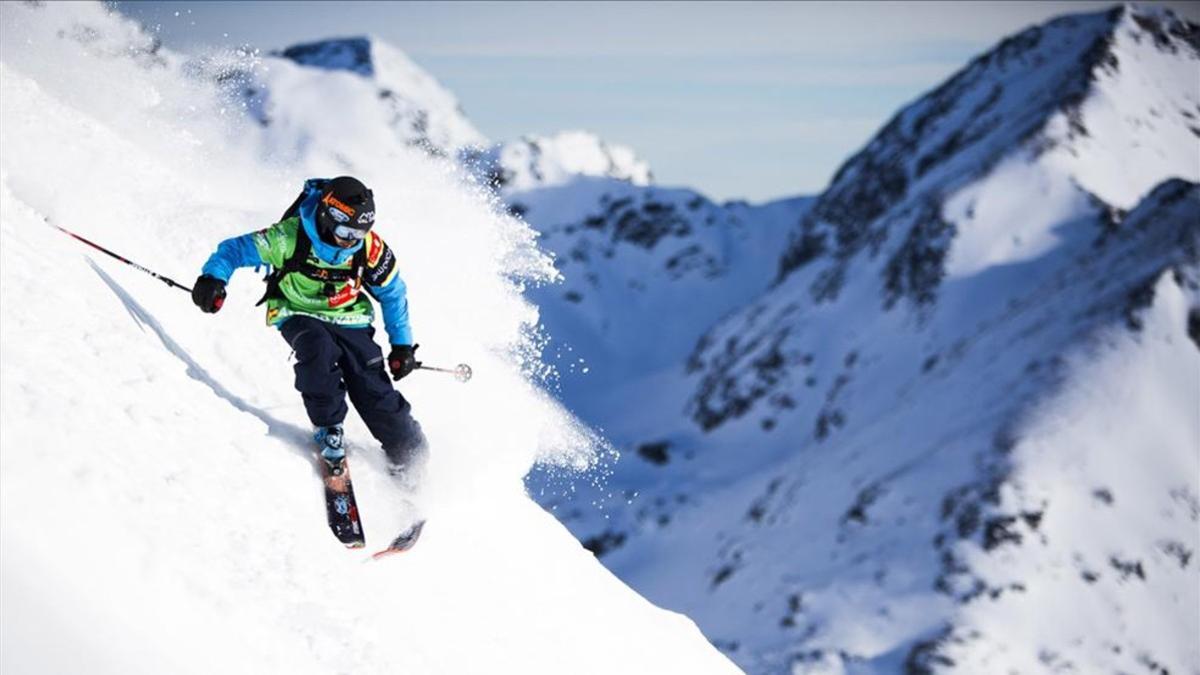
(1142, 117)
(629, 256)
(159, 505)
(997, 226)
(418, 107)
(1116, 449)
(535, 161)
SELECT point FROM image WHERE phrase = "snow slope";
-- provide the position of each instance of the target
(159, 507)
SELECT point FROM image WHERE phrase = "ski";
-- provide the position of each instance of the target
(341, 509)
(404, 541)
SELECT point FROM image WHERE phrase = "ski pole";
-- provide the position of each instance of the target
(127, 261)
(461, 372)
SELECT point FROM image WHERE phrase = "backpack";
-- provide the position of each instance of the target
(298, 261)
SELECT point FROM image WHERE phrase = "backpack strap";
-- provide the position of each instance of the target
(294, 209)
(298, 262)
(292, 264)
(359, 263)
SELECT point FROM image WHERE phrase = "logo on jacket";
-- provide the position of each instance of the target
(374, 249)
(383, 267)
(347, 294)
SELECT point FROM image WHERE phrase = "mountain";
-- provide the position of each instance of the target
(909, 452)
(1062, 92)
(159, 506)
(1047, 112)
(346, 95)
(541, 161)
(418, 108)
(630, 255)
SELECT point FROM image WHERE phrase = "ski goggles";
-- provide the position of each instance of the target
(338, 215)
(347, 233)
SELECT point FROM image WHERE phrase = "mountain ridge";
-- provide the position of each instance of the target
(900, 157)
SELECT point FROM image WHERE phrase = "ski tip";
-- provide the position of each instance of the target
(405, 541)
(380, 555)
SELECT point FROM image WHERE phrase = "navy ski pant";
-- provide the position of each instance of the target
(333, 361)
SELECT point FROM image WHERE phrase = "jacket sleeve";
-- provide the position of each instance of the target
(382, 279)
(393, 300)
(265, 247)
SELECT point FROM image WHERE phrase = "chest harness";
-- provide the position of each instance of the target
(298, 261)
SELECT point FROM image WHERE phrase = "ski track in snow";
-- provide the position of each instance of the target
(301, 437)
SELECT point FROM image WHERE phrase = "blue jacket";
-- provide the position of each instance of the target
(267, 247)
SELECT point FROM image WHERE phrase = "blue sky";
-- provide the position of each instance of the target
(752, 100)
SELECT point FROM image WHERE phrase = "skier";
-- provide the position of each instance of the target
(323, 254)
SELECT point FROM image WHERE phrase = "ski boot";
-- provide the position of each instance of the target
(332, 452)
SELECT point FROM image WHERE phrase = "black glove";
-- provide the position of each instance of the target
(208, 293)
(403, 360)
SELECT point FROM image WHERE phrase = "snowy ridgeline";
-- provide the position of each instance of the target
(159, 506)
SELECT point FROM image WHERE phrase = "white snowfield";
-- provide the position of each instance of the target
(159, 507)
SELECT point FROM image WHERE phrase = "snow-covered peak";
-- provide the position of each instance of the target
(413, 103)
(1138, 121)
(1060, 94)
(1060, 124)
(535, 161)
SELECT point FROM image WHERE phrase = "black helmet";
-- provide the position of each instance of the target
(346, 209)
